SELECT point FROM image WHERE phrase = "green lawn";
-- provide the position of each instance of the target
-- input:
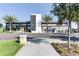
(9, 47)
(9, 32)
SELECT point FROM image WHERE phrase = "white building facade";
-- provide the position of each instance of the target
(35, 20)
(54, 28)
(37, 26)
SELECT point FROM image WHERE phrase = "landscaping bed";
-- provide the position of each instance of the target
(9, 47)
(62, 49)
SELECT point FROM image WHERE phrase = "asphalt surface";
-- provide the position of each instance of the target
(64, 37)
(30, 35)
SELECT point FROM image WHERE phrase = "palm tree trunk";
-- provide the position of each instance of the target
(69, 32)
(46, 27)
(10, 27)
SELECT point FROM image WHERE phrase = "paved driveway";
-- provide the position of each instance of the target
(36, 35)
(38, 47)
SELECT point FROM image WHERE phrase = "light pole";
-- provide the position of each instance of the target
(69, 26)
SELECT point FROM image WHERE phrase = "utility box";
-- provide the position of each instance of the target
(23, 39)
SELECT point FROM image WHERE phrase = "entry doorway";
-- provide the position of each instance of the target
(22, 29)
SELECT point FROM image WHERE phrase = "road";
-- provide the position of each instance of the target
(74, 37)
(14, 36)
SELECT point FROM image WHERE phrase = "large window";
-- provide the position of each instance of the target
(33, 22)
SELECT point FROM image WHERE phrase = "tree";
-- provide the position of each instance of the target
(64, 11)
(76, 13)
(9, 19)
(59, 23)
(47, 19)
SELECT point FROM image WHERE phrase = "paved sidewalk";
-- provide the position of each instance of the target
(37, 49)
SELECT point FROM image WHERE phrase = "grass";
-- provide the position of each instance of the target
(10, 32)
(9, 47)
(62, 49)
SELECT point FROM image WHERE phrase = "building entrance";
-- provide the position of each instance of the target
(21, 29)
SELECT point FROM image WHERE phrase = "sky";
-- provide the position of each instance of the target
(23, 10)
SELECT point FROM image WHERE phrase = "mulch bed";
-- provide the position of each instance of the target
(62, 49)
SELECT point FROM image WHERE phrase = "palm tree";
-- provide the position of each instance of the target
(47, 19)
(9, 19)
(64, 12)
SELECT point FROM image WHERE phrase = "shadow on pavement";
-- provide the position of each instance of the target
(36, 40)
(65, 38)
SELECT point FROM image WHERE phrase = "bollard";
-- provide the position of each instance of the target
(23, 39)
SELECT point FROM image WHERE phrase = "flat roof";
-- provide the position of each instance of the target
(41, 22)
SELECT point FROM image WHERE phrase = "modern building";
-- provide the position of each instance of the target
(54, 28)
(36, 20)
(30, 27)
(35, 25)
(19, 26)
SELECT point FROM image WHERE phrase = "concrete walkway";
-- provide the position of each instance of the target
(37, 48)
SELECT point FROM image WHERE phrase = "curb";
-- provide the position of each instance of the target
(18, 53)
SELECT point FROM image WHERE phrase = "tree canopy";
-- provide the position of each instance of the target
(9, 18)
(66, 11)
(47, 18)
